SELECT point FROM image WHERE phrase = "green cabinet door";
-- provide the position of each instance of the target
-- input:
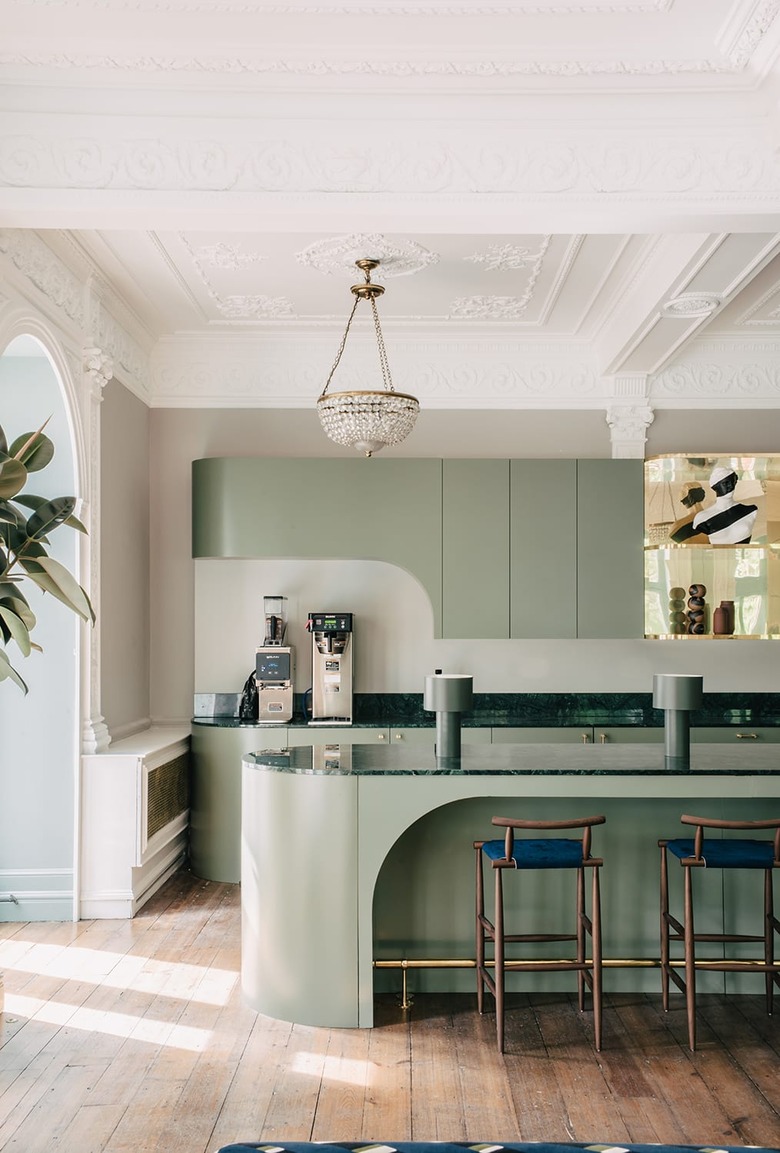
(543, 548)
(475, 548)
(386, 510)
(610, 560)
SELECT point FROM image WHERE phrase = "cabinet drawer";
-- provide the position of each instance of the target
(337, 735)
(551, 735)
(750, 734)
(428, 736)
(626, 735)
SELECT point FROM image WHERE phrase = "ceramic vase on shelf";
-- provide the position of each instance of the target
(723, 619)
(678, 621)
(697, 610)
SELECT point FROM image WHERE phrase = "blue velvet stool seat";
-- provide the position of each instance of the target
(717, 852)
(521, 854)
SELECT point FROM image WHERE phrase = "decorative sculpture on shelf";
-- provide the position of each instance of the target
(691, 497)
(726, 521)
(678, 621)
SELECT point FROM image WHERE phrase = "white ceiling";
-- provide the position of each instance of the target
(587, 188)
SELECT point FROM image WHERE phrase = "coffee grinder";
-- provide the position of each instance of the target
(274, 667)
(331, 668)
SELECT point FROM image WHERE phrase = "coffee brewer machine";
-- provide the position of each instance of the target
(274, 667)
(331, 668)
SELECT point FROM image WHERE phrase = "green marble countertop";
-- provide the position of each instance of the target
(520, 759)
(529, 710)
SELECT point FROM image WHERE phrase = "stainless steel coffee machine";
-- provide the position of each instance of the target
(275, 667)
(331, 668)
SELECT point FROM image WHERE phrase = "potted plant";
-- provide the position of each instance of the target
(26, 524)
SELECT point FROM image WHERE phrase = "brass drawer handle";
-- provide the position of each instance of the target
(603, 738)
(586, 738)
(746, 736)
(380, 736)
(399, 736)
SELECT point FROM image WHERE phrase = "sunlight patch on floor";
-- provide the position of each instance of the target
(128, 1025)
(179, 980)
(342, 1069)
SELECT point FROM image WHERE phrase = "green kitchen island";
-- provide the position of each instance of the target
(320, 822)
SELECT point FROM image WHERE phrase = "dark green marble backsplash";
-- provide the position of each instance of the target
(530, 709)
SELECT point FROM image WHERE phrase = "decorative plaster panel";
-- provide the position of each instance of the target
(469, 163)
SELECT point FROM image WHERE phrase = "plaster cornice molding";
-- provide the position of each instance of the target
(367, 7)
(728, 383)
(63, 291)
(660, 166)
(470, 374)
(398, 69)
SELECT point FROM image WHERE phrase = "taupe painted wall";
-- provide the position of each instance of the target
(179, 436)
(124, 560)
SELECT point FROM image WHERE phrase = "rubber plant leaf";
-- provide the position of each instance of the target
(8, 671)
(3, 442)
(13, 476)
(17, 628)
(49, 515)
(33, 449)
(8, 514)
(20, 607)
(54, 578)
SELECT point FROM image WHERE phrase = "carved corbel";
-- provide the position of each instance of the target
(628, 424)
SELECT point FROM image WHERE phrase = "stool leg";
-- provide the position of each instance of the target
(769, 939)
(596, 934)
(498, 972)
(690, 960)
(581, 937)
(480, 933)
(664, 930)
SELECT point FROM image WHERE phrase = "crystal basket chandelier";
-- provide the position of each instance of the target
(367, 420)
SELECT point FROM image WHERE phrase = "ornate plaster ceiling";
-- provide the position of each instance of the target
(575, 202)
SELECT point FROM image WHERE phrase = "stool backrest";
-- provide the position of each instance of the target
(512, 823)
(702, 823)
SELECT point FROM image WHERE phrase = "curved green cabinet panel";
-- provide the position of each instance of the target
(388, 510)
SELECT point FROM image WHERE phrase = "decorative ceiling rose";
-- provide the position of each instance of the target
(341, 254)
(691, 304)
(367, 420)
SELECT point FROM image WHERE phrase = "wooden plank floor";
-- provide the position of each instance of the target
(123, 1036)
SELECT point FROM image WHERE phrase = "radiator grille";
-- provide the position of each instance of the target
(168, 793)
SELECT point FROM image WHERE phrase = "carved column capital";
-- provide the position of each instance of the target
(98, 368)
(628, 425)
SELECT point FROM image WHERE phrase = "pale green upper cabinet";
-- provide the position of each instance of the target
(475, 568)
(543, 548)
(610, 554)
(522, 548)
(362, 509)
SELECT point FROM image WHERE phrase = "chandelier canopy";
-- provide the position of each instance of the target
(367, 419)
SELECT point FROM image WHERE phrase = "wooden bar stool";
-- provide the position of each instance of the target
(716, 852)
(539, 853)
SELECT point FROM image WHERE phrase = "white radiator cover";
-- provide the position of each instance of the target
(135, 819)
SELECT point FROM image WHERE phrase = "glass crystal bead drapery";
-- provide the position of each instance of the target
(367, 420)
